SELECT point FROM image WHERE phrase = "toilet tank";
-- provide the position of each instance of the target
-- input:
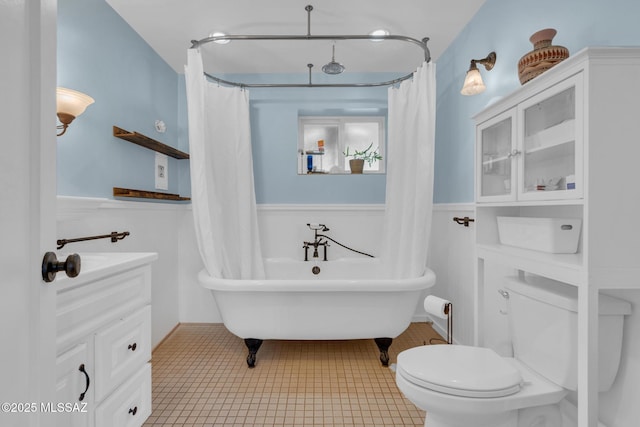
(543, 320)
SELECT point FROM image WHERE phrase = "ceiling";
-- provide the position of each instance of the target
(168, 26)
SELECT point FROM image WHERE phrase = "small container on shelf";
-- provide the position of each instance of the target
(570, 181)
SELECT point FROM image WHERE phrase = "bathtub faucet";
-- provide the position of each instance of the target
(317, 241)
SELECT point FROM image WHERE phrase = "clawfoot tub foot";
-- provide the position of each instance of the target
(383, 346)
(253, 344)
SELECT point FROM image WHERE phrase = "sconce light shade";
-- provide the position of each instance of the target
(70, 104)
(473, 83)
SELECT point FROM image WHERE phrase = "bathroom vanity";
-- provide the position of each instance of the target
(103, 341)
(564, 146)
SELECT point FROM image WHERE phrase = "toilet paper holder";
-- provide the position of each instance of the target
(448, 310)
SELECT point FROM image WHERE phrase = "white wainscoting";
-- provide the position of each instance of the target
(153, 228)
(451, 257)
(168, 230)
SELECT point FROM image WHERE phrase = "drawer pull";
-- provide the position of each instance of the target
(133, 411)
(132, 347)
(81, 369)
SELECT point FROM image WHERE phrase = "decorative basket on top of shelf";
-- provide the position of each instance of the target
(542, 57)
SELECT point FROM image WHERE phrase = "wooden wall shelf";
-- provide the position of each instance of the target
(152, 144)
(142, 194)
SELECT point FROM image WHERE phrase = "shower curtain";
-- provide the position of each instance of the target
(409, 192)
(222, 190)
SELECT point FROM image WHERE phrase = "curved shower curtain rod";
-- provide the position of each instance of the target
(422, 43)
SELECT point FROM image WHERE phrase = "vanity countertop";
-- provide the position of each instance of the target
(97, 265)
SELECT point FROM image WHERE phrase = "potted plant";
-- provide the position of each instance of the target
(359, 157)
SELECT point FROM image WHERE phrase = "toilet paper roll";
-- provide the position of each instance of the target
(436, 306)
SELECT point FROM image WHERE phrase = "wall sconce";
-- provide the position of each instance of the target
(473, 83)
(70, 104)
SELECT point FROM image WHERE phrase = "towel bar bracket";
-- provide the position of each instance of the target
(463, 221)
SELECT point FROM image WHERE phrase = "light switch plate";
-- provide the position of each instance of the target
(162, 172)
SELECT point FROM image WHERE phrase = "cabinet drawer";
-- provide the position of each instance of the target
(130, 404)
(84, 308)
(121, 349)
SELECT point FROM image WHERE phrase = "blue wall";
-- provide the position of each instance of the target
(99, 54)
(274, 128)
(505, 26)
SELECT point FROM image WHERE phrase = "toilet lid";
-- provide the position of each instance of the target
(459, 370)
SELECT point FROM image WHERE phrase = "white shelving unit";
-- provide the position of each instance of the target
(566, 145)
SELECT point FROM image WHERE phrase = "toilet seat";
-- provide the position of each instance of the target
(460, 371)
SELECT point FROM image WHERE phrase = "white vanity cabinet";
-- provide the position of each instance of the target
(565, 145)
(104, 342)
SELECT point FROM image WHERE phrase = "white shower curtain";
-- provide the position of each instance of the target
(222, 190)
(409, 192)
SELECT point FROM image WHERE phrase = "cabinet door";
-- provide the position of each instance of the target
(551, 143)
(73, 392)
(495, 171)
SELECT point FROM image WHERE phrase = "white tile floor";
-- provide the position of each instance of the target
(200, 378)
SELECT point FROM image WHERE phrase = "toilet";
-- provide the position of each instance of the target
(462, 386)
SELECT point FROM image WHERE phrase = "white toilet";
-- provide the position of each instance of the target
(462, 386)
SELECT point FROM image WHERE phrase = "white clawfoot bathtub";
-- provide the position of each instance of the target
(349, 298)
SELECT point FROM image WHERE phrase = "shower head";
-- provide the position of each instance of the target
(333, 67)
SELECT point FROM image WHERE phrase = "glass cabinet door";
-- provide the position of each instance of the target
(551, 153)
(494, 168)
